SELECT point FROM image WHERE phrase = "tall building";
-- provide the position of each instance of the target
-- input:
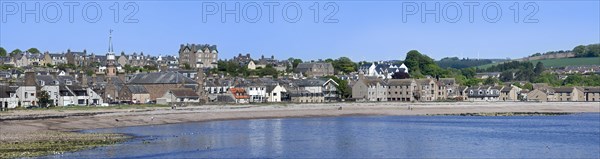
(198, 56)
(111, 69)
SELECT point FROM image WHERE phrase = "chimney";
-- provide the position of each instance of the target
(54, 73)
(83, 80)
(30, 78)
(94, 79)
(361, 75)
(163, 67)
(121, 76)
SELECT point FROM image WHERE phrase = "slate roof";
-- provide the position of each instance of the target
(161, 78)
(6, 90)
(137, 89)
(592, 90)
(563, 90)
(399, 82)
(184, 93)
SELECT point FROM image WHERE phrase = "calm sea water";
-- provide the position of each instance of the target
(567, 136)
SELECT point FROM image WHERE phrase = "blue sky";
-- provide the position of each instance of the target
(365, 30)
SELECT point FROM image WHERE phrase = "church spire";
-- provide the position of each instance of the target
(110, 45)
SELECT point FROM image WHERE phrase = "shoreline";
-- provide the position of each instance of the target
(24, 126)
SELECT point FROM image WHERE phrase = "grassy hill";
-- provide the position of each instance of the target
(559, 62)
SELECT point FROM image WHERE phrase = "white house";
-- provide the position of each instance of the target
(274, 93)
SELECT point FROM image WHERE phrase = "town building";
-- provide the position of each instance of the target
(198, 56)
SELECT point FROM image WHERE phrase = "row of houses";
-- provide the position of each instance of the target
(564, 94)
(261, 90)
(429, 89)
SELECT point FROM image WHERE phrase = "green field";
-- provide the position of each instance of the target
(559, 62)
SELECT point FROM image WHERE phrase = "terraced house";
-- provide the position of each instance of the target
(198, 56)
(401, 90)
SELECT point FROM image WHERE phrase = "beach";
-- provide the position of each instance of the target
(27, 126)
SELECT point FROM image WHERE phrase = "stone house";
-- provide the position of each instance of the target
(134, 94)
(181, 95)
(401, 90)
(542, 94)
(76, 58)
(198, 55)
(427, 90)
(315, 69)
(483, 94)
(122, 59)
(509, 93)
(158, 83)
(8, 97)
(373, 90)
(568, 94)
(592, 94)
(27, 93)
(304, 96)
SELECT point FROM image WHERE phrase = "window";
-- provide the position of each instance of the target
(274, 94)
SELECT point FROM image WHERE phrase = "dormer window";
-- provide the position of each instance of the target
(480, 92)
(42, 83)
(68, 82)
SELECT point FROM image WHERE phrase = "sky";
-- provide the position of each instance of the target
(359, 29)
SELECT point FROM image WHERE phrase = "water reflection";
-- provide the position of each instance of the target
(571, 136)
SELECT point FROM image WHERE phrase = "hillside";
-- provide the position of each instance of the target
(559, 62)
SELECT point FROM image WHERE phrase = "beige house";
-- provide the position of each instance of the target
(370, 90)
(509, 93)
(592, 94)
(542, 94)
(568, 94)
(401, 90)
(427, 90)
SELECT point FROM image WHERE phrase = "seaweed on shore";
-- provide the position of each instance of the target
(68, 142)
(505, 114)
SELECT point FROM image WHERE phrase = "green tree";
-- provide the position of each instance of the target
(44, 99)
(528, 86)
(344, 65)
(187, 66)
(343, 89)
(33, 50)
(490, 81)
(2, 52)
(16, 51)
(539, 68)
(421, 65)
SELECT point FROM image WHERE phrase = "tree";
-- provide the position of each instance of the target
(400, 75)
(16, 51)
(2, 52)
(420, 65)
(528, 86)
(33, 50)
(296, 62)
(186, 66)
(506, 76)
(539, 68)
(344, 65)
(490, 81)
(44, 99)
(342, 87)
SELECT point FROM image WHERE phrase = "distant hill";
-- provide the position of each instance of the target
(455, 62)
(580, 55)
(560, 62)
